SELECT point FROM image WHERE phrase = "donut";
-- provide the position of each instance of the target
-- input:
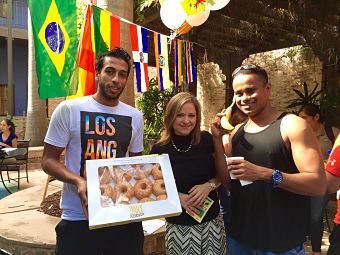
(159, 188)
(143, 188)
(124, 192)
(156, 172)
(139, 174)
(162, 197)
(146, 199)
(108, 191)
(120, 175)
(104, 175)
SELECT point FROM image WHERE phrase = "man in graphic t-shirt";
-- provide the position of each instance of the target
(93, 127)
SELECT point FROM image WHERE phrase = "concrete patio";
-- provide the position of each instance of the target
(25, 230)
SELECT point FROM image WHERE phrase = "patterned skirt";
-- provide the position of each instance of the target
(207, 238)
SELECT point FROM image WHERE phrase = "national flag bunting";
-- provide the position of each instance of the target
(162, 63)
(106, 30)
(54, 26)
(139, 44)
(178, 49)
(101, 32)
(190, 67)
(86, 59)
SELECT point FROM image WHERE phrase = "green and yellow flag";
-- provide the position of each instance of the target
(54, 25)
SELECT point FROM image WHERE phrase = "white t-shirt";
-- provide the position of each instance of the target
(90, 130)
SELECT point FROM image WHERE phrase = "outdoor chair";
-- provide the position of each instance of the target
(23, 159)
(8, 164)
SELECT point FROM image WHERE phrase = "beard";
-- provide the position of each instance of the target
(105, 91)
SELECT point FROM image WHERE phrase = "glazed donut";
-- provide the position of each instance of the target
(162, 197)
(120, 175)
(104, 175)
(106, 190)
(139, 174)
(143, 188)
(156, 172)
(159, 188)
(124, 192)
(146, 199)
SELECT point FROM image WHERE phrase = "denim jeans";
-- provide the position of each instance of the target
(236, 248)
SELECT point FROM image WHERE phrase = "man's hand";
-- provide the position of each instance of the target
(246, 170)
(82, 192)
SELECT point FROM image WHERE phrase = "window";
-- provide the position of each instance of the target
(3, 99)
(3, 8)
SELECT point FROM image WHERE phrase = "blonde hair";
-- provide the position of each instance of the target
(173, 107)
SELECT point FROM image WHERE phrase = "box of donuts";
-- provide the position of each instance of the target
(124, 190)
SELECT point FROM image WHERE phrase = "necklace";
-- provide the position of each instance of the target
(179, 150)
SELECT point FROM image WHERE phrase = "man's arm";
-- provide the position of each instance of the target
(333, 168)
(333, 183)
(300, 138)
(52, 166)
(307, 157)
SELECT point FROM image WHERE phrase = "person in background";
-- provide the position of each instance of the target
(282, 159)
(80, 125)
(8, 138)
(326, 136)
(333, 184)
(237, 117)
(192, 158)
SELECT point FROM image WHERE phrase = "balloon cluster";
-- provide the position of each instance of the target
(182, 15)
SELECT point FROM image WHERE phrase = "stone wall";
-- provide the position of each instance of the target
(211, 91)
(285, 69)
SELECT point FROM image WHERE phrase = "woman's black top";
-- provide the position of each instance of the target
(196, 166)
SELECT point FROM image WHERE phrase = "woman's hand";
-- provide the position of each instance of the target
(198, 194)
(184, 199)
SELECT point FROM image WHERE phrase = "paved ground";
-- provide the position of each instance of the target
(38, 177)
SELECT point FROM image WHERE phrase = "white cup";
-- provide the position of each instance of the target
(232, 176)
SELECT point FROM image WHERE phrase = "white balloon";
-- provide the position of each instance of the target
(219, 4)
(172, 14)
(198, 19)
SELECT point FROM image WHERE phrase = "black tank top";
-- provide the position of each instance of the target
(262, 217)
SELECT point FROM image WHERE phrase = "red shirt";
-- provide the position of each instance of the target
(333, 166)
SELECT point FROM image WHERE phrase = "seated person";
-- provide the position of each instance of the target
(8, 138)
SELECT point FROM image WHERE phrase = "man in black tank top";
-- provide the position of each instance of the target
(282, 158)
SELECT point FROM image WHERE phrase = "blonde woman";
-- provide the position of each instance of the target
(191, 153)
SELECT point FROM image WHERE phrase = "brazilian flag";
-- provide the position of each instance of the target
(54, 25)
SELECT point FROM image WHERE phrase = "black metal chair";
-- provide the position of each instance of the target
(23, 159)
(8, 163)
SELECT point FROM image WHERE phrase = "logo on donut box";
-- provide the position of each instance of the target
(123, 190)
(136, 210)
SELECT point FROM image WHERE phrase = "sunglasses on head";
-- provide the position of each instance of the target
(250, 69)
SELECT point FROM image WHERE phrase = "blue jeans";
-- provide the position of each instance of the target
(236, 248)
(317, 206)
(224, 197)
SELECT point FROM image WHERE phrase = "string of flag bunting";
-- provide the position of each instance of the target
(101, 32)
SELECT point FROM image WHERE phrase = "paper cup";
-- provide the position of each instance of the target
(232, 176)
